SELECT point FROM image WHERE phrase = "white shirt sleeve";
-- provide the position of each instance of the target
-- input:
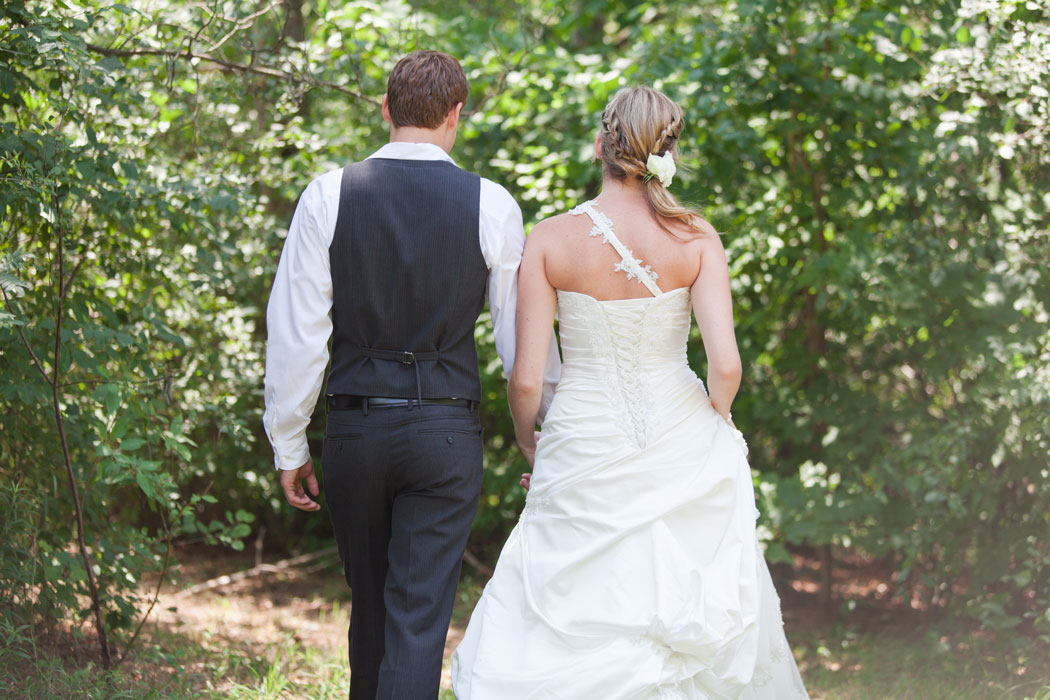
(502, 242)
(298, 323)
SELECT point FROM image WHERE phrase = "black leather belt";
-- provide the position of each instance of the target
(338, 402)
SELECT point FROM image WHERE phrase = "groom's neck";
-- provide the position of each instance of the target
(415, 134)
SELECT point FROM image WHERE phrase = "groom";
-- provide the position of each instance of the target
(392, 258)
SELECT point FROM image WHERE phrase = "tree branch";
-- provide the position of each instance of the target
(25, 341)
(239, 24)
(227, 579)
(122, 382)
(229, 66)
(72, 274)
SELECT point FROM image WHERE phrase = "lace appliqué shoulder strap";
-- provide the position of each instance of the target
(628, 263)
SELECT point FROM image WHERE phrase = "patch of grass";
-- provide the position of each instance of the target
(182, 668)
(294, 672)
(918, 661)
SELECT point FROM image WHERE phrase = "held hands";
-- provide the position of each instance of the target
(291, 483)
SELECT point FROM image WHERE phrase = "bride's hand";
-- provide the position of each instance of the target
(526, 480)
(728, 418)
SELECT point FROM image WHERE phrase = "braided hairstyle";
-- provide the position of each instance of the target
(637, 122)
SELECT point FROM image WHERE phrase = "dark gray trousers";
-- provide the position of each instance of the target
(402, 488)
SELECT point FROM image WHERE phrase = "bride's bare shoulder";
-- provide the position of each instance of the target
(554, 229)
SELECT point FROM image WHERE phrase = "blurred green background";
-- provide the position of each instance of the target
(880, 170)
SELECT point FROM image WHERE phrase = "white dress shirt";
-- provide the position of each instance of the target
(298, 317)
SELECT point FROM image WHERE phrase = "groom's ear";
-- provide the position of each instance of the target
(386, 110)
(452, 120)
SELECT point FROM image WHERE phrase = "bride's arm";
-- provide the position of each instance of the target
(537, 301)
(713, 306)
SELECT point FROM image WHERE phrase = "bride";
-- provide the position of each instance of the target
(634, 571)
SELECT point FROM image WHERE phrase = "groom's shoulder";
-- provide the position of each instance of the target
(324, 186)
(497, 199)
(330, 177)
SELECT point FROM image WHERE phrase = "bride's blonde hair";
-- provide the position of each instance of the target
(637, 122)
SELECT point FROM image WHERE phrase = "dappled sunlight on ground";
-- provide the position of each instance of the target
(279, 633)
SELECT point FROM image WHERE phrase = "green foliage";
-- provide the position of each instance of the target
(879, 170)
(115, 267)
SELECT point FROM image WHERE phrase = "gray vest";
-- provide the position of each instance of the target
(408, 281)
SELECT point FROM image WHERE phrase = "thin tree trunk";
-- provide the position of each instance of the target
(56, 400)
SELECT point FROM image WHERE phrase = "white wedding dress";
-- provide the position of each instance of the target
(634, 572)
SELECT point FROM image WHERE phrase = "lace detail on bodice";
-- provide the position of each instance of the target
(628, 263)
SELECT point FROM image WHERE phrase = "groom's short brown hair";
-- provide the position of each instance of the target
(423, 88)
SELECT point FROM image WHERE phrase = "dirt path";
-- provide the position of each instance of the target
(309, 606)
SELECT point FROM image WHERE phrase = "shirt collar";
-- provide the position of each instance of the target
(403, 150)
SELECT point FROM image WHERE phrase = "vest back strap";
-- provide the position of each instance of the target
(405, 357)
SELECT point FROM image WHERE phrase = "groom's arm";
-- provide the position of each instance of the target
(502, 241)
(298, 325)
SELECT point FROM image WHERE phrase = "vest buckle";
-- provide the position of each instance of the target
(408, 358)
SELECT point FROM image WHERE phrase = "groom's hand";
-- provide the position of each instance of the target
(291, 482)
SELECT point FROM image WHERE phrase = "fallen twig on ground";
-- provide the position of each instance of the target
(227, 579)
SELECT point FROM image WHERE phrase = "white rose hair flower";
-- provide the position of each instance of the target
(660, 167)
